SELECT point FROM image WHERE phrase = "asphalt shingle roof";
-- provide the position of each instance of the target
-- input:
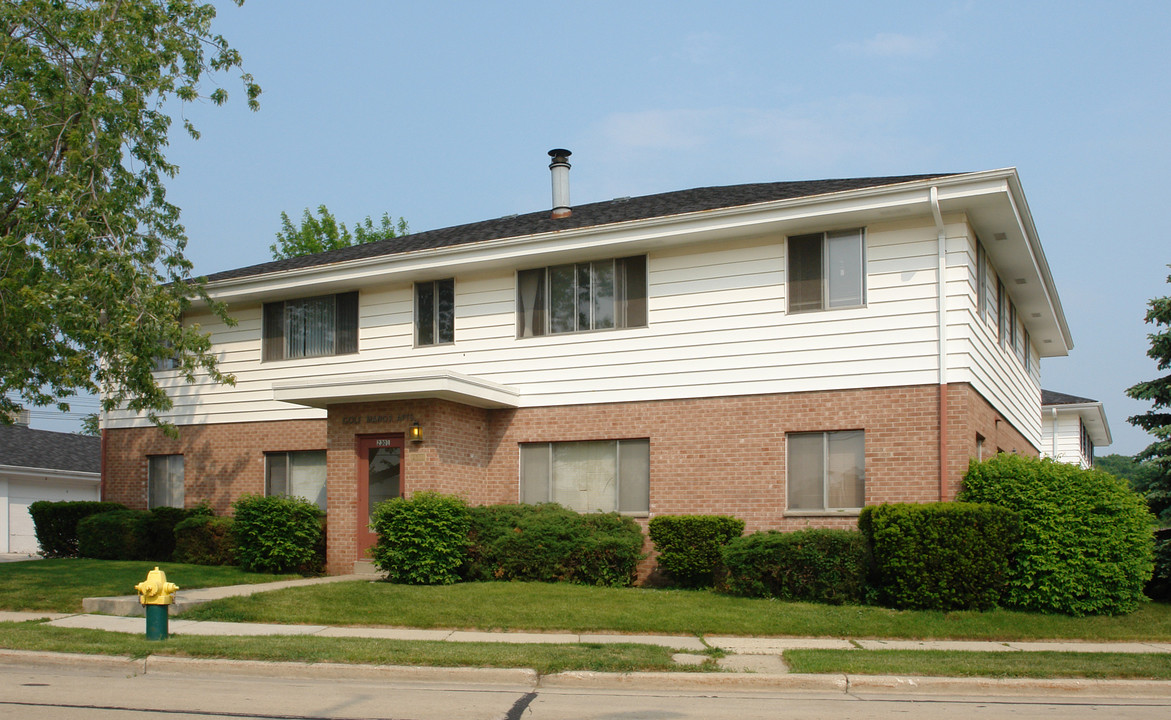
(1048, 397)
(42, 449)
(589, 215)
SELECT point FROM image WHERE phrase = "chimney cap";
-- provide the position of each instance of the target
(559, 153)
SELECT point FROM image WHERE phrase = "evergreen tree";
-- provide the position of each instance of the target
(1157, 421)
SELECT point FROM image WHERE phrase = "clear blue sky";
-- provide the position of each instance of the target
(442, 113)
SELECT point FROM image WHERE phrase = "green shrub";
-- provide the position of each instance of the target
(611, 551)
(689, 545)
(823, 566)
(160, 543)
(55, 524)
(550, 543)
(1086, 539)
(940, 556)
(116, 535)
(205, 540)
(277, 534)
(422, 540)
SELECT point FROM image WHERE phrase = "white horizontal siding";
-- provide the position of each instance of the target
(718, 325)
(974, 352)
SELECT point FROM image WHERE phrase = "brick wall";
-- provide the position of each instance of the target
(220, 462)
(713, 455)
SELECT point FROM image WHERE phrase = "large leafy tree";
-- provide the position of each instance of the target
(93, 280)
(1157, 421)
(324, 232)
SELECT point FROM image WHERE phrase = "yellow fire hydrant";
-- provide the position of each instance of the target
(155, 594)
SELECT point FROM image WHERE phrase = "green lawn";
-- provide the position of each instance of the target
(576, 608)
(981, 664)
(59, 585)
(542, 658)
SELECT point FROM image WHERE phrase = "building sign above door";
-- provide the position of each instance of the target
(373, 419)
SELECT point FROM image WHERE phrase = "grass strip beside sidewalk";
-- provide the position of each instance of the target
(576, 608)
(309, 649)
(948, 663)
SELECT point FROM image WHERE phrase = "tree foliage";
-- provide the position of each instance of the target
(93, 280)
(324, 232)
(1157, 421)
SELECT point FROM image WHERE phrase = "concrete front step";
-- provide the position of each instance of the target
(128, 605)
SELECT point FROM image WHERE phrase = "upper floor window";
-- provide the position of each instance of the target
(596, 295)
(981, 280)
(1001, 314)
(826, 270)
(311, 327)
(435, 312)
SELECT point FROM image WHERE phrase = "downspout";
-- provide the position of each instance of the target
(941, 251)
(1053, 440)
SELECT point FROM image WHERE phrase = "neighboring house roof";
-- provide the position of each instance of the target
(1049, 397)
(22, 447)
(1092, 413)
(584, 216)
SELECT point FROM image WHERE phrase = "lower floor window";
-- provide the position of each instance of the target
(826, 470)
(592, 476)
(164, 481)
(296, 474)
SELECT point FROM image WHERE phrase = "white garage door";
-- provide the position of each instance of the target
(21, 494)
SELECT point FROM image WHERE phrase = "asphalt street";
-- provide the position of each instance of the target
(102, 691)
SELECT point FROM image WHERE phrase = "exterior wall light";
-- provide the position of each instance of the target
(415, 432)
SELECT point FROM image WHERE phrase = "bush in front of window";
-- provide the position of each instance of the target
(821, 566)
(278, 534)
(940, 556)
(55, 523)
(689, 545)
(205, 540)
(116, 535)
(551, 543)
(1086, 537)
(421, 540)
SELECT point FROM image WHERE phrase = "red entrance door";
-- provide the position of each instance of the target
(380, 463)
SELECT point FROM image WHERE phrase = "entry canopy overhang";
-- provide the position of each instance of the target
(437, 384)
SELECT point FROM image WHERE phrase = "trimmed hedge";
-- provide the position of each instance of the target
(205, 540)
(689, 545)
(278, 534)
(822, 566)
(55, 523)
(940, 556)
(422, 540)
(551, 543)
(117, 535)
(1086, 538)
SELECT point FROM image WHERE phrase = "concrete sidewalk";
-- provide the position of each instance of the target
(749, 646)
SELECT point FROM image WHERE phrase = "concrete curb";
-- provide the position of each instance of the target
(528, 679)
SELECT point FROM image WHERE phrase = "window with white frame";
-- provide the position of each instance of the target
(981, 280)
(826, 270)
(435, 312)
(599, 295)
(826, 470)
(1001, 314)
(590, 476)
(296, 474)
(164, 481)
(311, 327)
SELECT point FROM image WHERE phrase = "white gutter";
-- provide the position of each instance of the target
(941, 251)
(47, 473)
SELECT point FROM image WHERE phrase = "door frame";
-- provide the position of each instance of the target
(365, 537)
